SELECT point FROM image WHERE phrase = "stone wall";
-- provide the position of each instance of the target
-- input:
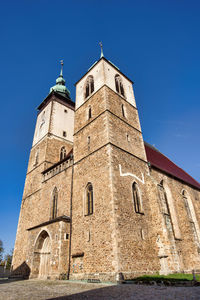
(94, 235)
(37, 197)
(187, 247)
(136, 232)
(59, 253)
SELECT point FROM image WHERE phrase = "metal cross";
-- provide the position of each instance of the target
(101, 45)
(62, 63)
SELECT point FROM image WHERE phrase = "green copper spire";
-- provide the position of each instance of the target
(60, 84)
(101, 45)
(61, 71)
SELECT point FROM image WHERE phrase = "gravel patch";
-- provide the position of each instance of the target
(60, 290)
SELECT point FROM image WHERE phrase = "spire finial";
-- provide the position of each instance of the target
(101, 45)
(62, 63)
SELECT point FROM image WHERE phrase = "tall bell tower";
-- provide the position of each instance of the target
(53, 131)
(109, 161)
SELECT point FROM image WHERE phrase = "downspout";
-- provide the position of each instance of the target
(70, 233)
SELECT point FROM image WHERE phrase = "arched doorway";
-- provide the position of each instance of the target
(43, 252)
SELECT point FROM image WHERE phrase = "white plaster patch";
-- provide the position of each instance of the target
(130, 174)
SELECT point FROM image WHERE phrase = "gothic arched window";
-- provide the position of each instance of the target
(165, 209)
(163, 199)
(62, 153)
(136, 198)
(118, 85)
(191, 217)
(89, 199)
(54, 203)
(89, 89)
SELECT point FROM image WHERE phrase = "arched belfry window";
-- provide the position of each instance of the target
(185, 198)
(137, 199)
(62, 153)
(89, 199)
(54, 203)
(89, 89)
(118, 85)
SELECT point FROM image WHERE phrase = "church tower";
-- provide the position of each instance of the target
(110, 169)
(53, 140)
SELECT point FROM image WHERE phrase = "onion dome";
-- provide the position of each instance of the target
(60, 84)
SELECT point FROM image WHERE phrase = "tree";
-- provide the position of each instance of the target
(1, 250)
(8, 259)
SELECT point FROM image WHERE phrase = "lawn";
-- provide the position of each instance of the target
(171, 277)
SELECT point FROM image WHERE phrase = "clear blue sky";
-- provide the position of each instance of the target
(155, 43)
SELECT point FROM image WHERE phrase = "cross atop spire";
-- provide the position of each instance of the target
(62, 63)
(101, 45)
(60, 84)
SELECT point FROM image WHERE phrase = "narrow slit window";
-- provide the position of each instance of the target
(89, 200)
(54, 204)
(89, 113)
(123, 111)
(88, 142)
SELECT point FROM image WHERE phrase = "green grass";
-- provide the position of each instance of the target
(171, 277)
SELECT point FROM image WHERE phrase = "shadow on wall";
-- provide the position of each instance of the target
(23, 271)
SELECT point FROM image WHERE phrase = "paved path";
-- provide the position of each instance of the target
(60, 290)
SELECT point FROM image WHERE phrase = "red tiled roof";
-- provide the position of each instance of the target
(161, 162)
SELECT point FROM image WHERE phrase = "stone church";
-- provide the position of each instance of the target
(98, 201)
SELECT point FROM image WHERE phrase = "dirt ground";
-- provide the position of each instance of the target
(60, 290)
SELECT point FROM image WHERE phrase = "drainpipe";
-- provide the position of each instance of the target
(70, 234)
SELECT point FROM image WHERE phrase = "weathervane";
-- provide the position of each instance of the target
(62, 63)
(101, 45)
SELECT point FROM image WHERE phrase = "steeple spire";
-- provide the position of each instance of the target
(61, 71)
(60, 84)
(101, 45)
